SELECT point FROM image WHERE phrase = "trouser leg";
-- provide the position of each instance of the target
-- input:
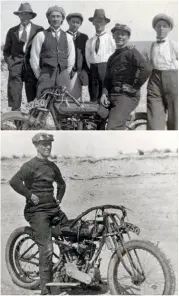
(170, 89)
(31, 90)
(101, 77)
(93, 83)
(156, 108)
(40, 223)
(119, 114)
(14, 91)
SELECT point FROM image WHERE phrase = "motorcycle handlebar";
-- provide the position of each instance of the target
(102, 208)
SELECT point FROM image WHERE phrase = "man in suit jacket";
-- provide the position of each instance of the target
(17, 54)
(79, 75)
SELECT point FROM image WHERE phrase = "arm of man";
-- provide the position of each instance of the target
(61, 185)
(7, 48)
(71, 53)
(17, 181)
(85, 65)
(143, 69)
(87, 52)
(35, 53)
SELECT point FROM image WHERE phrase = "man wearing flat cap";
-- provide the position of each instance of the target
(34, 181)
(53, 52)
(98, 50)
(162, 90)
(79, 72)
(126, 72)
(17, 54)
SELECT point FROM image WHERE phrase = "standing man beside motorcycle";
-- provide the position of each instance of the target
(17, 54)
(52, 52)
(34, 181)
(80, 70)
(126, 72)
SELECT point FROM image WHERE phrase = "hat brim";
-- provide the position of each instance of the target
(119, 29)
(68, 18)
(162, 19)
(92, 18)
(32, 13)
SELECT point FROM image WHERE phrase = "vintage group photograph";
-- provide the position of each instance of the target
(78, 65)
(95, 211)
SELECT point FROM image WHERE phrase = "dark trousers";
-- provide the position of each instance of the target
(41, 224)
(162, 98)
(119, 114)
(15, 84)
(96, 80)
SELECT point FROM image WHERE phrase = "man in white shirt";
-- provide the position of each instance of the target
(52, 52)
(98, 50)
(17, 54)
(162, 92)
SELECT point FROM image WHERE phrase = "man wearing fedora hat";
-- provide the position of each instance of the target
(17, 54)
(126, 73)
(80, 70)
(53, 52)
(162, 91)
(98, 50)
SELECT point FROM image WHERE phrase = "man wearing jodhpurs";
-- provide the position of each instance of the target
(35, 180)
(162, 91)
(53, 52)
(17, 54)
(126, 73)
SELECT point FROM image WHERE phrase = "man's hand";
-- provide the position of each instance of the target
(104, 100)
(129, 88)
(58, 202)
(34, 198)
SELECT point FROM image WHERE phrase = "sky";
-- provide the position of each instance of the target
(96, 144)
(137, 15)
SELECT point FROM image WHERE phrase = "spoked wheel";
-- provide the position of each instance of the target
(22, 258)
(150, 272)
(15, 120)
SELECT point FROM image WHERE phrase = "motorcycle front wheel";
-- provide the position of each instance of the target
(16, 120)
(152, 273)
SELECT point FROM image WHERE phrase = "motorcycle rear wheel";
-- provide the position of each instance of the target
(16, 120)
(118, 286)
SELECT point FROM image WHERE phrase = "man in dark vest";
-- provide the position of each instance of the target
(17, 54)
(52, 52)
(80, 70)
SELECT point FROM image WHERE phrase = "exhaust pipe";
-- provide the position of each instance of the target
(62, 284)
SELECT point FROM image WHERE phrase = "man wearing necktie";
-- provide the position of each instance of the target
(53, 53)
(98, 50)
(17, 54)
(79, 74)
(162, 92)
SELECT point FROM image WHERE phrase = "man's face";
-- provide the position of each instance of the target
(120, 37)
(55, 19)
(162, 28)
(74, 24)
(44, 148)
(99, 24)
(25, 18)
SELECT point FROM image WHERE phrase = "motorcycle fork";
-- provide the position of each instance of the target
(54, 116)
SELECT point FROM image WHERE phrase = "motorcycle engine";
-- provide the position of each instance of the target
(85, 249)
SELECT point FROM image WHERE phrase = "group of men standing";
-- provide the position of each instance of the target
(113, 71)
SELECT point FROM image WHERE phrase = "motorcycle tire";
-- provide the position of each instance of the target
(16, 116)
(10, 259)
(114, 284)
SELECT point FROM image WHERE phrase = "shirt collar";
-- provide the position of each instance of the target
(74, 34)
(22, 27)
(58, 30)
(164, 39)
(102, 33)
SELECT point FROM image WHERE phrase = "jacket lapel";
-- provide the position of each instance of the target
(16, 32)
(32, 32)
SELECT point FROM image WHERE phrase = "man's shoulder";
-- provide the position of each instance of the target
(37, 27)
(13, 29)
(82, 35)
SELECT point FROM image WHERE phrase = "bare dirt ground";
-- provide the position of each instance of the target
(146, 184)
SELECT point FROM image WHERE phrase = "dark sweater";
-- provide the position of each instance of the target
(37, 176)
(125, 66)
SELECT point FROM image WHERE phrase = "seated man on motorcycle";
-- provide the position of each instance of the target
(35, 180)
(126, 73)
(52, 53)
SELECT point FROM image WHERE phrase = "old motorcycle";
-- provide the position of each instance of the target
(136, 266)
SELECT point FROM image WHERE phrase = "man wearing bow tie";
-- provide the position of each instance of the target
(17, 54)
(98, 50)
(53, 53)
(79, 74)
(162, 94)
